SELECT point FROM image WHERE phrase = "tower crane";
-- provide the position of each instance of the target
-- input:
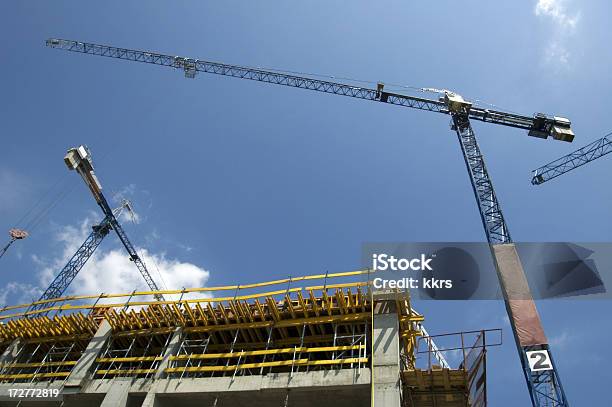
(79, 159)
(578, 158)
(539, 368)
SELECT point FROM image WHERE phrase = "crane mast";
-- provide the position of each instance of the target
(544, 385)
(61, 282)
(571, 161)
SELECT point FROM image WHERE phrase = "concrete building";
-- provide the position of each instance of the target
(335, 344)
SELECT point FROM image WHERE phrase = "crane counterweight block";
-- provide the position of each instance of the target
(557, 127)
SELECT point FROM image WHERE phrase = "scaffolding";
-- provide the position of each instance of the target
(254, 331)
(46, 349)
(428, 383)
(258, 329)
(313, 328)
(137, 355)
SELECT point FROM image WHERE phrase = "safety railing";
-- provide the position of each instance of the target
(207, 294)
(429, 382)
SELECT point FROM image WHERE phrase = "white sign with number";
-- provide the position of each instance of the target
(539, 360)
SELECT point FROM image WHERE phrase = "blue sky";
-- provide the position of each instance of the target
(237, 181)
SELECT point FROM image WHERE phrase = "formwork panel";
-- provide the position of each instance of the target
(48, 348)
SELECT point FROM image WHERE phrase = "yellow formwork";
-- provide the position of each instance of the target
(298, 325)
(65, 326)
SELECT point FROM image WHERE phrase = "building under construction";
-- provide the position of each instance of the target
(283, 343)
(325, 339)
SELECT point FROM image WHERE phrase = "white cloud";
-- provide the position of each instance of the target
(111, 271)
(557, 52)
(19, 292)
(555, 11)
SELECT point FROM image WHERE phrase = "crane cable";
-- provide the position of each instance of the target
(37, 220)
(390, 86)
(43, 204)
(34, 216)
(344, 78)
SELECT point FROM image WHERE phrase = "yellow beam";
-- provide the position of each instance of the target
(236, 354)
(337, 361)
(236, 367)
(263, 352)
(38, 364)
(297, 362)
(131, 359)
(285, 323)
(125, 371)
(33, 375)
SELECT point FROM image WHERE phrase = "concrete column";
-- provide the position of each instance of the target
(386, 384)
(151, 400)
(11, 353)
(171, 349)
(79, 373)
(118, 393)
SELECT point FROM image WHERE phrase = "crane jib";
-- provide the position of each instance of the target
(571, 161)
(539, 125)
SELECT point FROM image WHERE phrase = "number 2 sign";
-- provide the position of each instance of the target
(539, 360)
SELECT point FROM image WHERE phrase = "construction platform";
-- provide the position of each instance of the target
(279, 343)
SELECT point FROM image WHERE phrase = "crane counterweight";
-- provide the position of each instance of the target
(559, 128)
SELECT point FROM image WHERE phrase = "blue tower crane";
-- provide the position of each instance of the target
(79, 159)
(540, 372)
